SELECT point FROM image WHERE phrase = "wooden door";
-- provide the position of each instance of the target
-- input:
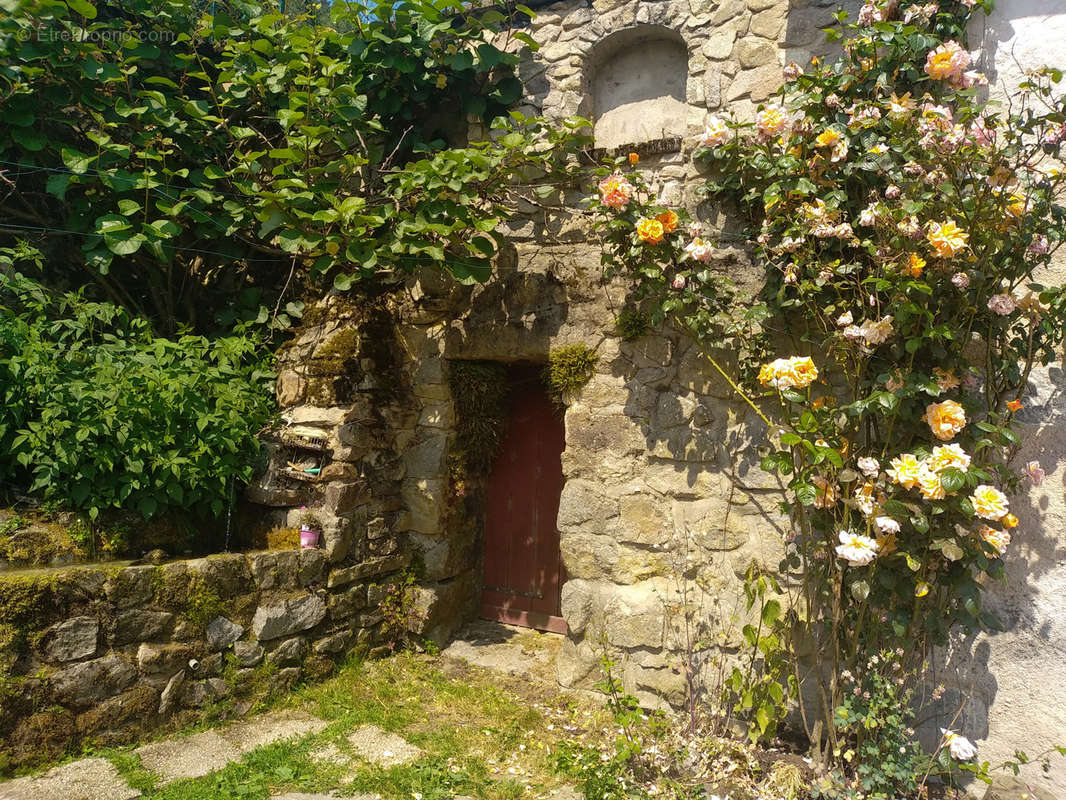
(523, 568)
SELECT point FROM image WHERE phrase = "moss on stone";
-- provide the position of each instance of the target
(569, 368)
(480, 392)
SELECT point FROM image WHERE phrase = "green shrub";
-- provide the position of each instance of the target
(97, 412)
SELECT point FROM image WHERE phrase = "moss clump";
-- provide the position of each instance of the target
(569, 368)
(480, 393)
(188, 595)
(631, 325)
(203, 604)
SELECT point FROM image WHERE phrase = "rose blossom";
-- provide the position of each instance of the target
(679, 282)
(857, 550)
(1035, 473)
(960, 280)
(1002, 304)
(869, 466)
(961, 748)
(886, 525)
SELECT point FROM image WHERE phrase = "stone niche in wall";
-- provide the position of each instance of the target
(638, 81)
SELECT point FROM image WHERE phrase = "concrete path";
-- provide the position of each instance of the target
(171, 759)
(381, 747)
(87, 779)
(197, 755)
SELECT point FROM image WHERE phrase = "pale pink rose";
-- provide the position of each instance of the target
(1002, 304)
(833, 101)
(679, 282)
(1035, 474)
(845, 319)
(869, 466)
(960, 280)
(886, 525)
(892, 191)
(699, 250)
(792, 71)
(1039, 246)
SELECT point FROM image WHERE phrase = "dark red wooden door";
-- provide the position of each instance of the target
(523, 569)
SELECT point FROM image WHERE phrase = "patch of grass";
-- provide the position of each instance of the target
(483, 735)
(129, 767)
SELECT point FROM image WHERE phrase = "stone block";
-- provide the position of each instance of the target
(155, 660)
(248, 654)
(643, 520)
(221, 633)
(72, 640)
(345, 604)
(276, 619)
(274, 569)
(577, 605)
(334, 645)
(426, 458)
(344, 497)
(130, 587)
(289, 652)
(92, 681)
(423, 503)
(226, 574)
(635, 616)
(719, 45)
(367, 569)
(313, 564)
(141, 626)
(171, 694)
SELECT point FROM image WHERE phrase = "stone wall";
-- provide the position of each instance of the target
(663, 495)
(103, 654)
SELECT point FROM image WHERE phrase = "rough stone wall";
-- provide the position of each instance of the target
(663, 494)
(116, 652)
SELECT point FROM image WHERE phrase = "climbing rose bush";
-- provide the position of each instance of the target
(901, 222)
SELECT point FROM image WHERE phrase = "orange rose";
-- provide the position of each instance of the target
(634, 158)
(945, 419)
(650, 231)
(1014, 405)
(668, 220)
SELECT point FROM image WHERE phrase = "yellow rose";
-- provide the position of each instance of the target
(828, 138)
(915, 265)
(989, 502)
(930, 486)
(945, 419)
(650, 231)
(905, 470)
(948, 455)
(998, 539)
(947, 238)
(803, 371)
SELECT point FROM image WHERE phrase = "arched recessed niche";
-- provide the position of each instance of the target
(638, 79)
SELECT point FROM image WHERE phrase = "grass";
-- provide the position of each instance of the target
(483, 735)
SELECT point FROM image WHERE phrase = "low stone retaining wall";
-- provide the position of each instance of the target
(104, 653)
